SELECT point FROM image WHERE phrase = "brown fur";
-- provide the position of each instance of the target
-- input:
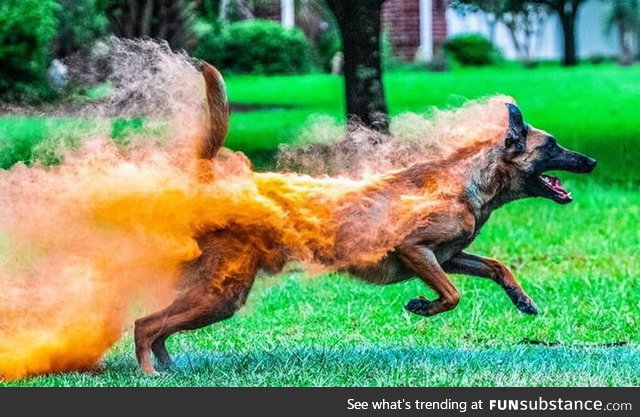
(218, 121)
(440, 207)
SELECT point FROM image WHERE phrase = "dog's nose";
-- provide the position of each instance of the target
(590, 164)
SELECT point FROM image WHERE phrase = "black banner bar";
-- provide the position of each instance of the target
(324, 401)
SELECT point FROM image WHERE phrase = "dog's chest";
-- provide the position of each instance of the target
(451, 234)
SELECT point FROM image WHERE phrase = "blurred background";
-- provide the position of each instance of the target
(297, 70)
(288, 57)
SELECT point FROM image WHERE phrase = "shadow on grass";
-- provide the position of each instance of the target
(397, 366)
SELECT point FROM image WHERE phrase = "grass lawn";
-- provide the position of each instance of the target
(579, 262)
(593, 107)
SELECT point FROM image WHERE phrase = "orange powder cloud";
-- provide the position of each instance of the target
(99, 240)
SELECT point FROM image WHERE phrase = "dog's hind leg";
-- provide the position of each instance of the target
(423, 262)
(194, 308)
(161, 353)
(468, 264)
(191, 310)
(214, 287)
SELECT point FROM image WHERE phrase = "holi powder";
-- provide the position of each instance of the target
(93, 243)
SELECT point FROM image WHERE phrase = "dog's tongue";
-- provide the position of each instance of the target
(556, 185)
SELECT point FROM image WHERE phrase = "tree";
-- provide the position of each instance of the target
(524, 22)
(493, 10)
(232, 10)
(360, 23)
(567, 11)
(522, 18)
(625, 16)
(208, 9)
(80, 23)
(171, 20)
(27, 28)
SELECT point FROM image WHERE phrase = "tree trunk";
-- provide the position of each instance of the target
(568, 21)
(626, 45)
(170, 20)
(492, 23)
(360, 25)
(637, 52)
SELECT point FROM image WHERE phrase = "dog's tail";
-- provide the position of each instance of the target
(217, 120)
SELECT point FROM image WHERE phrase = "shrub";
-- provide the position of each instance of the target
(212, 39)
(599, 59)
(26, 29)
(171, 20)
(472, 50)
(388, 57)
(208, 9)
(81, 22)
(328, 43)
(256, 46)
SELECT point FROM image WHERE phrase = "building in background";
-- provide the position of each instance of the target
(418, 28)
(548, 43)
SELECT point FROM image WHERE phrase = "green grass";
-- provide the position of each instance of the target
(591, 107)
(579, 262)
(42, 139)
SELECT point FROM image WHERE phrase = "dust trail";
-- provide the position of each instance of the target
(91, 244)
(323, 147)
(69, 282)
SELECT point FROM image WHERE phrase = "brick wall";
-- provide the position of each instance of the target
(401, 21)
(270, 11)
(439, 21)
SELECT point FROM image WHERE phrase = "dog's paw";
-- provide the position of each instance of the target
(419, 306)
(150, 372)
(167, 367)
(527, 306)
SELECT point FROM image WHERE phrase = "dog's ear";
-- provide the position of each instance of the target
(516, 138)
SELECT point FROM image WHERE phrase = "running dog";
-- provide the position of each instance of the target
(415, 222)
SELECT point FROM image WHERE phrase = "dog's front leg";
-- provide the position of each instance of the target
(468, 264)
(423, 262)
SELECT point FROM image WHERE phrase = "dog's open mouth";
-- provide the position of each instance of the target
(554, 187)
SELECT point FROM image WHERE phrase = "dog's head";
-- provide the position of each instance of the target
(532, 152)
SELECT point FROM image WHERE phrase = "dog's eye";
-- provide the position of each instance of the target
(551, 143)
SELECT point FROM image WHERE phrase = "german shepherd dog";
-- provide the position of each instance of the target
(455, 197)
